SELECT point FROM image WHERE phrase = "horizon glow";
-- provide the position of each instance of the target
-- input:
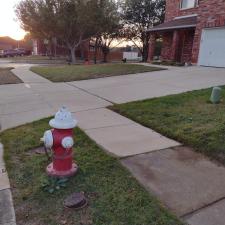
(9, 25)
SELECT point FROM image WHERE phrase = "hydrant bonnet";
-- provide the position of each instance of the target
(63, 120)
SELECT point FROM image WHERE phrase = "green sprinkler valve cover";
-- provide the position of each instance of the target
(216, 95)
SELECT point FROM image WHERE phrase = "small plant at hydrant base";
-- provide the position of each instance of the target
(52, 184)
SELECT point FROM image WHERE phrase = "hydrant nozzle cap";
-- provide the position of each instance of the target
(63, 120)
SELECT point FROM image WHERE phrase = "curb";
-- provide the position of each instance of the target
(7, 213)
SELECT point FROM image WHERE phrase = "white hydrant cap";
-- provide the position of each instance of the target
(63, 120)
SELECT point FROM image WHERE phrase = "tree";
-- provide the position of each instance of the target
(109, 39)
(109, 28)
(78, 22)
(139, 16)
(27, 41)
(38, 18)
(71, 21)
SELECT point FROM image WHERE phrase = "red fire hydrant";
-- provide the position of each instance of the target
(60, 140)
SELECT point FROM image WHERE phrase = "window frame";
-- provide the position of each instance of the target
(191, 7)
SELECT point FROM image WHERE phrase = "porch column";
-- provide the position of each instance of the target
(174, 45)
(151, 48)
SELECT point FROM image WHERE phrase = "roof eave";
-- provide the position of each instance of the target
(171, 28)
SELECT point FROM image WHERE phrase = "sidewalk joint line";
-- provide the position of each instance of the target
(186, 215)
(119, 125)
(90, 93)
(149, 152)
(88, 110)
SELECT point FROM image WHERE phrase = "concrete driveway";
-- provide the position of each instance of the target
(37, 97)
(175, 80)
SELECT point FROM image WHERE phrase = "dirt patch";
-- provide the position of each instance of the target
(39, 150)
(7, 77)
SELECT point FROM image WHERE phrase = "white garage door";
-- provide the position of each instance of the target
(212, 48)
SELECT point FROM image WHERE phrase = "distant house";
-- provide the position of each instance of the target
(7, 43)
(193, 31)
(42, 47)
(85, 51)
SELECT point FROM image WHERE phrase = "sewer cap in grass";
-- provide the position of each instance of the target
(76, 200)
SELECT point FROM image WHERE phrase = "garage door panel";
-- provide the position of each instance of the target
(212, 48)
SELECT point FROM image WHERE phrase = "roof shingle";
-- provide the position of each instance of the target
(176, 24)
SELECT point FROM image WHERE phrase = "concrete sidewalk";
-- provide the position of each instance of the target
(120, 136)
(187, 183)
(28, 76)
(127, 88)
(7, 214)
(37, 98)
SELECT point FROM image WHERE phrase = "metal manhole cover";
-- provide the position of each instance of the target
(75, 201)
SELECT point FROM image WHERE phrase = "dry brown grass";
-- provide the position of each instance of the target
(7, 77)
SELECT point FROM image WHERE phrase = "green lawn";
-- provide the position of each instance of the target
(115, 197)
(83, 72)
(188, 118)
(37, 59)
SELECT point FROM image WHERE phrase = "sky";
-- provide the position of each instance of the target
(9, 26)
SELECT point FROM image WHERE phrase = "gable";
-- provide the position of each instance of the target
(205, 8)
(173, 10)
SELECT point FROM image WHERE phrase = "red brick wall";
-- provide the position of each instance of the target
(211, 13)
(184, 46)
(166, 46)
(112, 56)
(173, 10)
(187, 46)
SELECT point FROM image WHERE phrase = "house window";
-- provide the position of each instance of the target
(186, 4)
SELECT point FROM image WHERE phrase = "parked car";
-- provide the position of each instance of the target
(14, 52)
(8, 53)
(22, 51)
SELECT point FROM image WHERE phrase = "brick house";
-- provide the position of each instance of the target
(7, 43)
(193, 31)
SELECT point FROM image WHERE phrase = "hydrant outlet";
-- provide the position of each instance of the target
(48, 139)
(67, 142)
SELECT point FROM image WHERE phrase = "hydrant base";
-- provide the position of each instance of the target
(54, 173)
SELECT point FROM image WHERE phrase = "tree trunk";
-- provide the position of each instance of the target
(73, 55)
(105, 52)
(145, 41)
(54, 42)
(95, 53)
(145, 53)
(55, 51)
(49, 49)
